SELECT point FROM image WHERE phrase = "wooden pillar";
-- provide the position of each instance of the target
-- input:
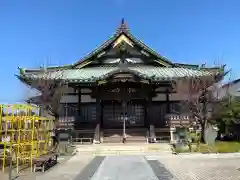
(124, 106)
(168, 102)
(98, 104)
(97, 138)
(149, 104)
(150, 115)
(146, 124)
(145, 89)
(79, 102)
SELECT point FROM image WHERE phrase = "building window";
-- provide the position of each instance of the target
(88, 113)
(68, 110)
(175, 108)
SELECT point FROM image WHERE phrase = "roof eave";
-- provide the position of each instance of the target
(41, 69)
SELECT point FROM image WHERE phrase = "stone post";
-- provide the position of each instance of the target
(172, 130)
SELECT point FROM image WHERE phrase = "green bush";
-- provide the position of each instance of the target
(194, 137)
(227, 147)
(219, 147)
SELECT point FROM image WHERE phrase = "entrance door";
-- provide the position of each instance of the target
(111, 114)
(135, 114)
(114, 113)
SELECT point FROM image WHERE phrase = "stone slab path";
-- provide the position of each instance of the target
(124, 167)
(144, 167)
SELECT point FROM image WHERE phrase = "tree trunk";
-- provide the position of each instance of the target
(203, 126)
(202, 134)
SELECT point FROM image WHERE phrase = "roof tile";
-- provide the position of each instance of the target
(98, 73)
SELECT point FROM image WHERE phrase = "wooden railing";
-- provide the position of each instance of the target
(82, 140)
(158, 139)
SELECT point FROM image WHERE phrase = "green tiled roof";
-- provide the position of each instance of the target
(99, 73)
(158, 73)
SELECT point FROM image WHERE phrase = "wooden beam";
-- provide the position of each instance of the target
(122, 95)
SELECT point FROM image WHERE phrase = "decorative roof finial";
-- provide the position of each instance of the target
(123, 26)
(21, 70)
(122, 23)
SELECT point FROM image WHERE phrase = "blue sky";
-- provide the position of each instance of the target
(57, 32)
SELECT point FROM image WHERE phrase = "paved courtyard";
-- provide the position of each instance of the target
(154, 167)
(145, 167)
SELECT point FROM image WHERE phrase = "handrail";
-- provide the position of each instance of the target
(83, 140)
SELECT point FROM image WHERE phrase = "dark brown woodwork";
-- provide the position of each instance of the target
(128, 55)
(113, 112)
(151, 57)
(111, 85)
(124, 77)
(108, 108)
(168, 103)
(159, 110)
(146, 123)
(83, 85)
(122, 95)
(149, 104)
(79, 102)
(98, 104)
(113, 56)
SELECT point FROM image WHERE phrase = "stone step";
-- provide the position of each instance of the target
(127, 136)
(123, 148)
(115, 139)
(112, 139)
(140, 139)
(120, 131)
(126, 153)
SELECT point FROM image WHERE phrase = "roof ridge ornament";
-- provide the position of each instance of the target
(123, 26)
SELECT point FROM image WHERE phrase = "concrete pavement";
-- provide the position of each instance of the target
(145, 167)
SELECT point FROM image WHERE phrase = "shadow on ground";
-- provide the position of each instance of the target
(90, 169)
(160, 170)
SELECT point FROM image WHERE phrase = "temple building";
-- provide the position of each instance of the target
(121, 90)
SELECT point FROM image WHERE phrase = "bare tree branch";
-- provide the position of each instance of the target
(50, 85)
(202, 95)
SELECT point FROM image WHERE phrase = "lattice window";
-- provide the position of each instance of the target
(175, 108)
(88, 113)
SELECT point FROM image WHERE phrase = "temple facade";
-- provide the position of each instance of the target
(121, 90)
